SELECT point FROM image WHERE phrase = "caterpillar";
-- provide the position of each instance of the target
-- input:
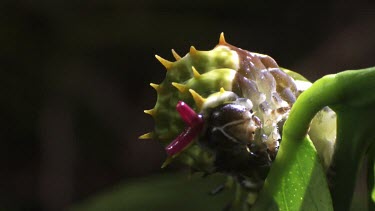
(223, 110)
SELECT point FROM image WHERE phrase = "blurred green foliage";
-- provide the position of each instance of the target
(162, 192)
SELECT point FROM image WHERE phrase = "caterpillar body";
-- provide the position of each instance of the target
(231, 106)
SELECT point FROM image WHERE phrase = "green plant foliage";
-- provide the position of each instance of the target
(373, 188)
(296, 180)
(350, 95)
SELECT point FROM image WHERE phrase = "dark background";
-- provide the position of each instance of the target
(74, 79)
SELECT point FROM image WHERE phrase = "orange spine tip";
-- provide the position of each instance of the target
(193, 50)
(195, 72)
(222, 39)
(198, 99)
(181, 87)
(167, 162)
(175, 55)
(150, 112)
(147, 136)
(167, 64)
(155, 86)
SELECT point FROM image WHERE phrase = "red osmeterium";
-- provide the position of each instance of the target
(187, 114)
(195, 125)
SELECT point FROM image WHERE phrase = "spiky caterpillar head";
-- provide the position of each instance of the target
(241, 96)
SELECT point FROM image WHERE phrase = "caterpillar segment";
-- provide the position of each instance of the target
(191, 79)
(242, 99)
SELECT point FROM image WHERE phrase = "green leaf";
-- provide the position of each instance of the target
(371, 176)
(353, 139)
(373, 182)
(355, 109)
(296, 180)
